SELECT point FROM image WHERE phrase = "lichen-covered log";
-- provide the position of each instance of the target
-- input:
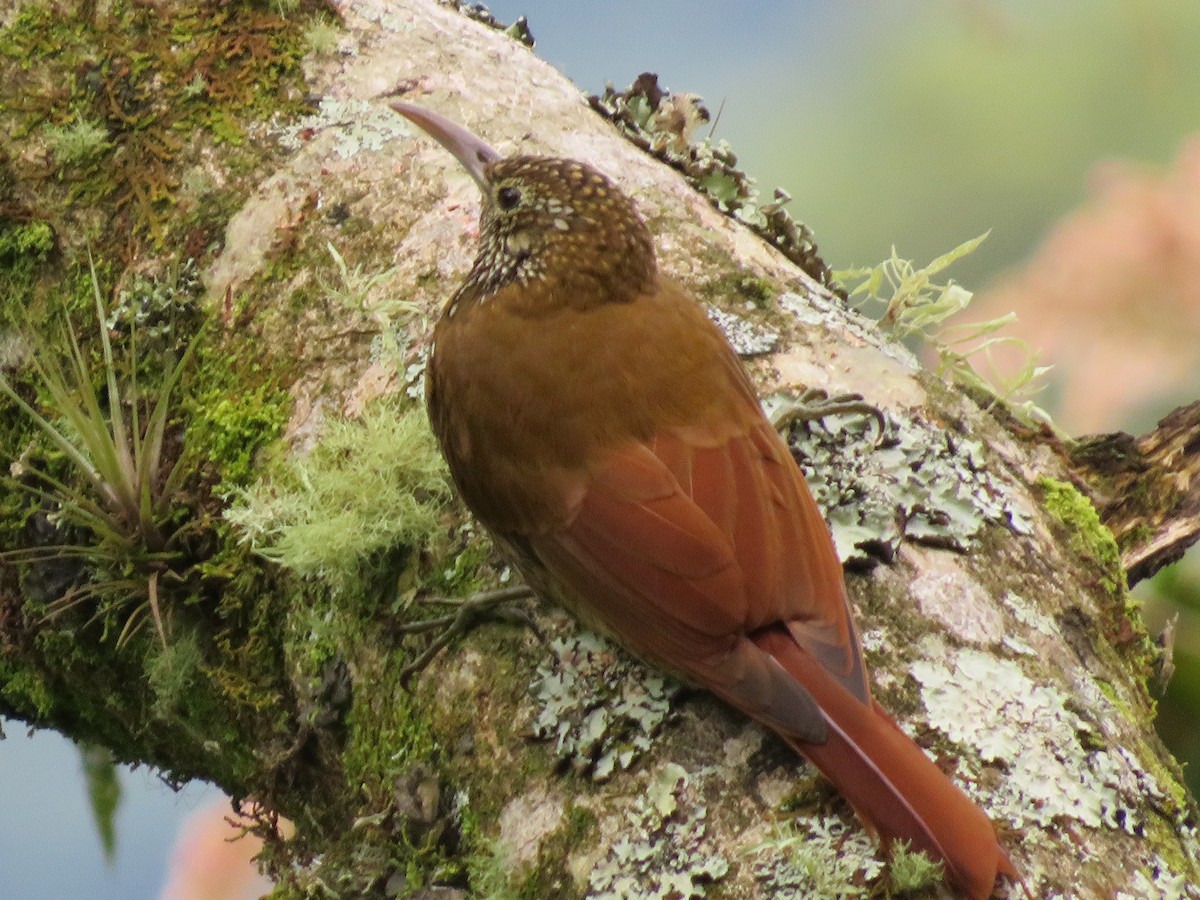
(248, 198)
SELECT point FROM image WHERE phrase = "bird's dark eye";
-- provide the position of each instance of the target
(508, 197)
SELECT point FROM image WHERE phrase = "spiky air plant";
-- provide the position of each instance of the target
(117, 502)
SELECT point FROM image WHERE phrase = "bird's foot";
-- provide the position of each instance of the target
(815, 404)
(460, 616)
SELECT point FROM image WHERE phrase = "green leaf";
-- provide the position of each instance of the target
(952, 256)
(104, 794)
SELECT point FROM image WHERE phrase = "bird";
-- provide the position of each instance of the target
(605, 433)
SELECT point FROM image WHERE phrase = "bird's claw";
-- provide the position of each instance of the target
(815, 404)
(468, 612)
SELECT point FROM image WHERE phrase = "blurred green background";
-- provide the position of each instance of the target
(914, 124)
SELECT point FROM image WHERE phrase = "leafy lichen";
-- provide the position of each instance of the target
(921, 482)
(663, 124)
(663, 853)
(1059, 766)
(600, 706)
(820, 858)
(1055, 771)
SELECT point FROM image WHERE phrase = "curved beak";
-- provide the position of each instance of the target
(469, 150)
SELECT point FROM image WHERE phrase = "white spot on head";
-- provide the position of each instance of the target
(519, 242)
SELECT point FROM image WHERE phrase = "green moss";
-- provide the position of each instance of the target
(389, 735)
(122, 96)
(367, 490)
(26, 691)
(581, 822)
(547, 878)
(1093, 540)
(1089, 535)
(742, 285)
(24, 250)
(1138, 536)
(34, 240)
(913, 871)
(408, 818)
(229, 427)
(459, 568)
(101, 699)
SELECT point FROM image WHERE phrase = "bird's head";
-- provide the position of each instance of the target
(546, 219)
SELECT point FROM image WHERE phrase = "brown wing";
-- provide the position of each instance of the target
(686, 546)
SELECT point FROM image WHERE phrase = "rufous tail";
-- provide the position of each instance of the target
(893, 786)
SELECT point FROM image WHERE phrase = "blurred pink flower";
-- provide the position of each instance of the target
(1112, 297)
(209, 864)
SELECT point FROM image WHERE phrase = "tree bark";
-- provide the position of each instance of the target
(992, 601)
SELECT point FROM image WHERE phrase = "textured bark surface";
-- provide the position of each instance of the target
(1145, 489)
(1014, 659)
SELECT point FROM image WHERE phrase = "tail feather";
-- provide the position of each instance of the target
(893, 786)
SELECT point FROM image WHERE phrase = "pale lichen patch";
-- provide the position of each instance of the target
(663, 853)
(739, 748)
(917, 482)
(349, 124)
(1054, 771)
(599, 705)
(946, 593)
(1159, 881)
(1028, 614)
(821, 311)
(815, 858)
(747, 338)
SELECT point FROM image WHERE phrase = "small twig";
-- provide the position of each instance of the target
(469, 610)
(815, 404)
